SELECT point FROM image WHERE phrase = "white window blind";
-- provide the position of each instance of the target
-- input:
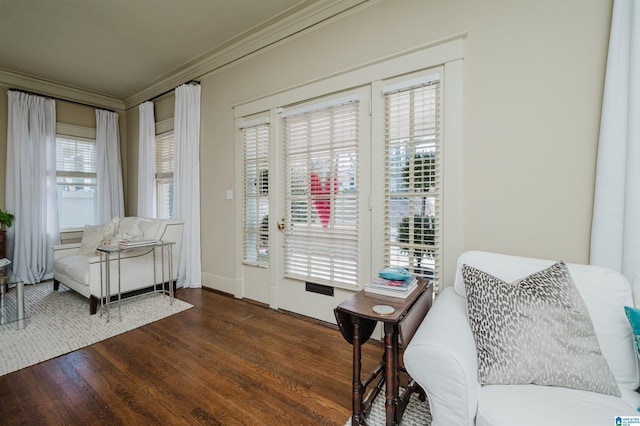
(321, 193)
(413, 176)
(76, 181)
(256, 194)
(164, 175)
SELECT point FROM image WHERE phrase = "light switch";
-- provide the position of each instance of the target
(229, 194)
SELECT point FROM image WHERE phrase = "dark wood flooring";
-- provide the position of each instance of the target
(223, 362)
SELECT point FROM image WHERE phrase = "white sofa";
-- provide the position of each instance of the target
(442, 356)
(77, 265)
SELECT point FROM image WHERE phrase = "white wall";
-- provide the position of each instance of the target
(533, 80)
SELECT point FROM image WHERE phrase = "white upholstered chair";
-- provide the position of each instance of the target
(442, 356)
(77, 265)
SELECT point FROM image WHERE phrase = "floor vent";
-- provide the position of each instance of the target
(319, 288)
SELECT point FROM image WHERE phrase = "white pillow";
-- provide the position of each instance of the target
(128, 229)
(536, 330)
(97, 235)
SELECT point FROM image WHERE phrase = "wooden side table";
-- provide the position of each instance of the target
(357, 320)
(3, 243)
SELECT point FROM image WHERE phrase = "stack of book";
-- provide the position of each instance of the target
(391, 288)
(136, 243)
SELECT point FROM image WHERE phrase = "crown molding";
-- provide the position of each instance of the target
(246, 44)
(60, 91)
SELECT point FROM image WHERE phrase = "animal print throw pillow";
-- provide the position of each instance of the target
(536, 330)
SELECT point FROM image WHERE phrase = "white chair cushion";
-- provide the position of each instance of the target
(76, 267)
(547, 405)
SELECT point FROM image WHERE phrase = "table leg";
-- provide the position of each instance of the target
(20, 305)
(107, 303)
(3, 303)
(101, 284)
(119, 288)
(170, 271)
(357, 417)
(391, 373)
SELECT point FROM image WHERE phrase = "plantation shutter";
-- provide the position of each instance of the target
(164, 156)
(321, 192)
(255, 229)
(164, 174)
(413, 175)
(75, 158)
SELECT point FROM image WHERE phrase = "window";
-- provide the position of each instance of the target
(76, 181)
(256, 194)
(412, 158)
(164, 175)
(321, 187)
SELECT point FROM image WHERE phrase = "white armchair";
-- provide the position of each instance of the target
(442, 356)
(77, 265)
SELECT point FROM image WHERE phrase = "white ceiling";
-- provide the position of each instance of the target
(118, 48)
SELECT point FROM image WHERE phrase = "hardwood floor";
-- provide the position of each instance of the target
(223, 362)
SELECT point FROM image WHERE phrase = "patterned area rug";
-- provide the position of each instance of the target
(416, 414)
(58, 322)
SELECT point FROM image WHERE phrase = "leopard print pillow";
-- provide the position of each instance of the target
(536, 330)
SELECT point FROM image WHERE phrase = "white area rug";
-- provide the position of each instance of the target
(417, 413)
(58, 322)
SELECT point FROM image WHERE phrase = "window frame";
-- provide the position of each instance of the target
(446, 53)
(418, 134)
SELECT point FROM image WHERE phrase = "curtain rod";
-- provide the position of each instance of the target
(60, 99)
(171, 90)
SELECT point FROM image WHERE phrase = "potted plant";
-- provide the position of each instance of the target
(6, 219)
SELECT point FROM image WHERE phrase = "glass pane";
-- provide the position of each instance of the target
(412, 191)
(77, 202)
(75, 155)
(165, 199)
(76, 182)
(256, 194)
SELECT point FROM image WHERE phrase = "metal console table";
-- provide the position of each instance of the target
(106, 253)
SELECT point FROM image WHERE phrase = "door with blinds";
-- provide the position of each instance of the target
(325, 217)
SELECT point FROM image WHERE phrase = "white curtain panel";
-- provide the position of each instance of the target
(108, 166)
(186, 182)
(615, 233)
(31, 185)
(146, 161)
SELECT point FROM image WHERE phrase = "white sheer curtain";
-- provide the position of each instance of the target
(146, 161)
(31, 185)
(108, 166)
(615, 232)
(186, 182)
